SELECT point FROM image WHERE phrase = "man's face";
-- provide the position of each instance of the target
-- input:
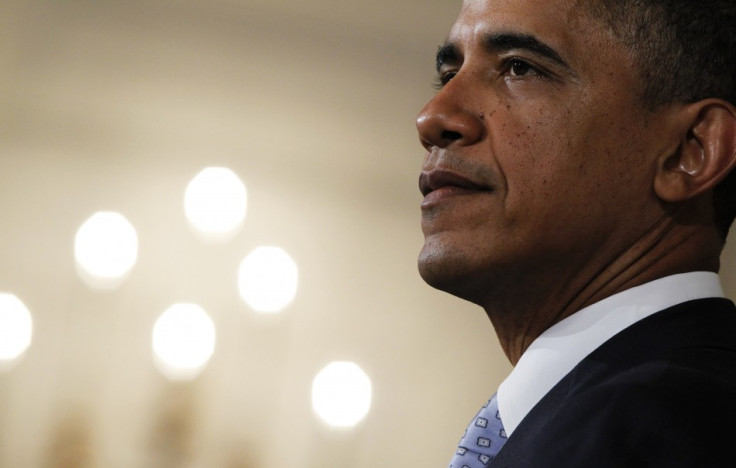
(540, 155)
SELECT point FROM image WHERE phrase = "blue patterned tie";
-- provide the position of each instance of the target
(482, 440)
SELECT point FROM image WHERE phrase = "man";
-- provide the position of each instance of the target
(577, 187)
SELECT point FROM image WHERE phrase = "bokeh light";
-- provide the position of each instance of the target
(16, 329)
(183, 341)
(268, 279)
(341, 394)
(215, 203)
(105, 249)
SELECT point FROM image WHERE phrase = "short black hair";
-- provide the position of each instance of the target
(686, 52)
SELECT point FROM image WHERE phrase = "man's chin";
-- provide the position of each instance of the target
(447, 273)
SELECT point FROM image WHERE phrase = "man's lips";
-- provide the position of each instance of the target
(438, 183)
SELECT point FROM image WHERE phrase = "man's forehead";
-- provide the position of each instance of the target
(560, 23)
(540, 16)
(539, 4)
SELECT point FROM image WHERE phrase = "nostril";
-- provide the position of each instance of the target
(449, 135)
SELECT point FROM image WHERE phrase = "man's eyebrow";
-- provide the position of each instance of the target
(447, 53)
(504, 42)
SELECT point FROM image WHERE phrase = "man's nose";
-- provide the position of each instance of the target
(448, 119)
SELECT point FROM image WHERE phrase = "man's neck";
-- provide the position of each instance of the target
(520, 316)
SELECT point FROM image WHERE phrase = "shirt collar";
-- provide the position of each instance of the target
(561, 347)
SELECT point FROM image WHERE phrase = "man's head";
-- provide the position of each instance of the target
(552, 159)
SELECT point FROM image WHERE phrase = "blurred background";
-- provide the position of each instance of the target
(130, 336)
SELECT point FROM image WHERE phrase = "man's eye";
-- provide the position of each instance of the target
(516, 67)
(443, 79)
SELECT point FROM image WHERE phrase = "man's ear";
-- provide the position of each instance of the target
(707, 152)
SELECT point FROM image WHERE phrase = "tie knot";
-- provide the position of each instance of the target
(482, 440)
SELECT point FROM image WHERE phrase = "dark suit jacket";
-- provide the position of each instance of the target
(661, 393)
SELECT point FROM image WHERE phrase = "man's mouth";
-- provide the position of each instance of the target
(448, 183)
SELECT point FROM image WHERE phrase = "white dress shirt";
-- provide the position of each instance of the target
(561, 347)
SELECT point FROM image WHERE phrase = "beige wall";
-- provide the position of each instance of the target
(115, 105)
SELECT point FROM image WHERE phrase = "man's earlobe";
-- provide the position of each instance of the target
(705, 156)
